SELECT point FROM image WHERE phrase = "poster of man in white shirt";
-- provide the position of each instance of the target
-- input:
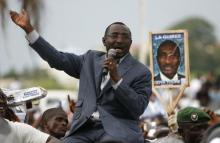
(169, 58)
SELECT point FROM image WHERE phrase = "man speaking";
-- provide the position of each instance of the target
(109, 105)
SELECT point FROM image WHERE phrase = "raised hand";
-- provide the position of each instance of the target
(22, 19)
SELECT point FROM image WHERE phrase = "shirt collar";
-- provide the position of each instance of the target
(121, 59)
(164, 78)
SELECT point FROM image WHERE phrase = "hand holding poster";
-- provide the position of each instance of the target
(169, 61)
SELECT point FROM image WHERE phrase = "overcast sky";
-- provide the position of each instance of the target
(78, 25)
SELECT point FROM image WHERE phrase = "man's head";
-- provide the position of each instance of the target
(117, 36)
(3, 103)
(5, 111)
(54, 122)
(192, 124)
(168, 58)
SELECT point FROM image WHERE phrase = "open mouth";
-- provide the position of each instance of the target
(117, 47)
(118, 50)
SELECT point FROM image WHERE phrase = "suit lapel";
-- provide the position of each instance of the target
(98, 72)
(125, 65)
(106, 87)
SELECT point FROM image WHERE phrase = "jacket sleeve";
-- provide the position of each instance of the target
(135, 97)
(67, 62)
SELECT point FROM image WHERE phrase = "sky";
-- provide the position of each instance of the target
(78, 25)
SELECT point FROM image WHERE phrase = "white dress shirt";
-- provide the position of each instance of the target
(164, 78)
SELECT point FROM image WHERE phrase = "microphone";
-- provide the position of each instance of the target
(111, 54)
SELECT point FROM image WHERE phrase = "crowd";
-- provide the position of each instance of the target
(195, 125)
(193, 99)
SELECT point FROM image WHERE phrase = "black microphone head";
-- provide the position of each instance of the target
(104, 71)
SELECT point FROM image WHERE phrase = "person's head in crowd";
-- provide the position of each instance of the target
(5, 111)
(117, 36)
(3, 103)
(203, 94)
(215, 117)
(54, 121)
(168, 58)
(211, 134)
(192, 123)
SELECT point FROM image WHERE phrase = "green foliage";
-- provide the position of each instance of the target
(203, 50)
(3, 9)
(34, 7)
(36, 77)
(47, 83)
(11, 74)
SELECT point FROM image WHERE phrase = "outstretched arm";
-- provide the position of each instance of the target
(69, 63)
(22, 20)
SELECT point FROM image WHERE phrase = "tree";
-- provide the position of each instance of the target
(3, 9)
(202, 44)
(32, 6)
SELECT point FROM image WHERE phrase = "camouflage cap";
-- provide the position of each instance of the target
(192, 115)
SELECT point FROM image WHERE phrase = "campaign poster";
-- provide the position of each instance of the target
(169, 58)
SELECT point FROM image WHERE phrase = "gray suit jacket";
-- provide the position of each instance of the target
(119, 109)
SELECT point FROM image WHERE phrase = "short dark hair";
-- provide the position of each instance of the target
(49, 113)
(3, 97)
(169, 43)
(120, 23)
(8, 113)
